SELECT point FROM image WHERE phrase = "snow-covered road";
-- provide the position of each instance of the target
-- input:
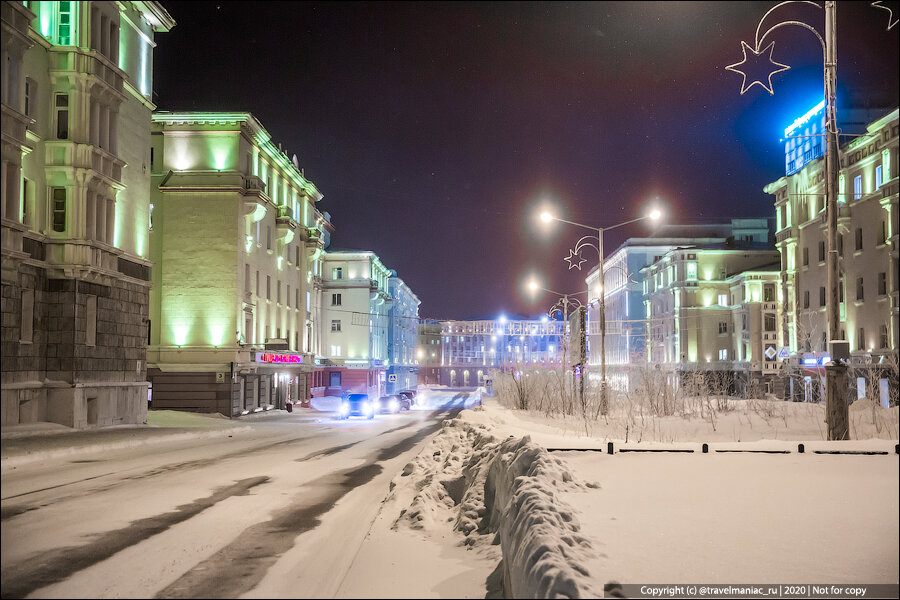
(209, 517)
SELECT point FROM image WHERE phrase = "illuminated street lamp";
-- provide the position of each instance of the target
(575, 260)
(836, 411)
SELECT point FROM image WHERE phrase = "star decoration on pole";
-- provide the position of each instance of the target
(891, 20)
(755, 64)
(574, 259)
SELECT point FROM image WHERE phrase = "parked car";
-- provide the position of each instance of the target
(356, 404)
(410, 395)
(393, 403)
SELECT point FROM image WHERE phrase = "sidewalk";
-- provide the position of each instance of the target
(31, 442)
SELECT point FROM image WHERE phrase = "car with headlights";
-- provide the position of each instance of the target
(393, 403)
(356, 405)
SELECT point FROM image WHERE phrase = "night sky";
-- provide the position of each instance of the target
(437, 130)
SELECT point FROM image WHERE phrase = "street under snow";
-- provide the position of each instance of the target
(453, 500)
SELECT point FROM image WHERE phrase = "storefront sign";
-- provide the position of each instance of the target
(271, 357)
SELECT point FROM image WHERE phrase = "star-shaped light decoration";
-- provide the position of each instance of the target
(574, 259)
(756, 65)
(891, 20)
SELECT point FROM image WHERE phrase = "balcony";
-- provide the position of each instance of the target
(66, 153)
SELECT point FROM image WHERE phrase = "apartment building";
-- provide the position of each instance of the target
(429, 352)
(402, 342)
(868, 256)
(713, 309)
(237, 245)
(626, 309)
(356, 300)
(77, 97)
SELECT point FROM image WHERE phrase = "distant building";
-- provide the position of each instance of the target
(429, 352)
(77, 96)
(868, 249)
(472, 349)
(237, 245)
(712, 309)
(403, 325)
(624, 275)
(356, 300)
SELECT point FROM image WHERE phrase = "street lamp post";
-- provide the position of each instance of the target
(836, 409)
(575, 260)
(565, 301)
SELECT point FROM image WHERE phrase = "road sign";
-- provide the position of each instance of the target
(771, 352)
(784, 353)
(392, 378)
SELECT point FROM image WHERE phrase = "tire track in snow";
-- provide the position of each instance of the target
(242, 564)
(46, 568)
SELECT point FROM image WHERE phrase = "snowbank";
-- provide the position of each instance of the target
(502, 493)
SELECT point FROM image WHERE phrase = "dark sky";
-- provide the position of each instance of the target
(435, 130)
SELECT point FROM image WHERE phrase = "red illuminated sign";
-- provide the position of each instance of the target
(270, 357)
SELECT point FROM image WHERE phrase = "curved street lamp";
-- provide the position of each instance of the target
(575, 260)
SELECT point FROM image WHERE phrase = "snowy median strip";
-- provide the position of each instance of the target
(500, 492)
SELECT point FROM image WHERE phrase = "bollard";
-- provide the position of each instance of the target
(705, 448)
(609, 448)
(801, 448)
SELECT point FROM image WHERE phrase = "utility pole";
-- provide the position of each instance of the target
(836, 378)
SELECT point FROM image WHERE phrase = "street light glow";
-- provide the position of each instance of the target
(546, 217)
(655, 214)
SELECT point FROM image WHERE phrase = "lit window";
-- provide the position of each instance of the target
(691, 271)
(879, 180)
(336, 325)
(723, 299)
(723, 354)
(857, 187)
(62, 116)
(64, 25)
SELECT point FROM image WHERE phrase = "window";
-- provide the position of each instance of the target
(691, 271)
(64, 24)
(30, 92)
(883, 336)
(805, 256)
(58, 199)
(297, 257)
(268, 237)
(278, 292)
(882, 284)
(840, 246)
(805, 298)
(723, 354)
(334, 378)
(297, 298)
(335, 299)
(822, 251)
(268, 287)
(768, 293)
(882, 235)
(723, 299)
(257, 283)
(62, 116)
(337, 273)
(743, 321)
(859, 238)
(861, 340)
(857, 187)
(769, 322)
(723, 327)
(247, 278)
(879, 179)
(859, 288)
(335, 325)
(822, 296)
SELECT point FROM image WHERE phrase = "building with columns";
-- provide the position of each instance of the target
(472, 349)
(77, 92)
(237, 245)
(868, 257)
